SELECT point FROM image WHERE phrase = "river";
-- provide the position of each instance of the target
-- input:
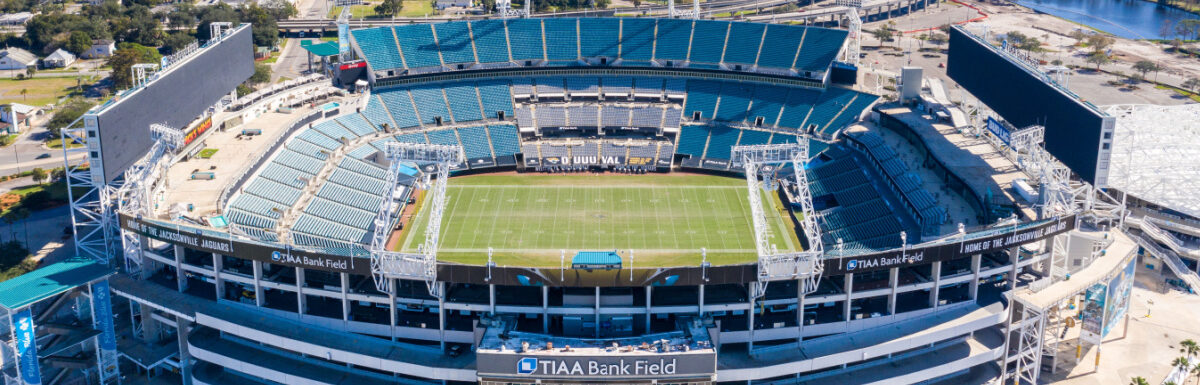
(1131, 19)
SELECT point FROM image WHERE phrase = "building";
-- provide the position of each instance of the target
(18, 116)
(60, 58)
(100, 49)
(443, 4)
(17, 59)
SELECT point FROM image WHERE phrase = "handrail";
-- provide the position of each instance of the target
(1172, 261)
(251, 167)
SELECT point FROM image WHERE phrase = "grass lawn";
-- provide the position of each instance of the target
(412, 8)
(665, 219)
(6, 140)
(39, 91)
(57, 143)
(207, 153)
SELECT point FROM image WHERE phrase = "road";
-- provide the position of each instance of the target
(291, 63)
(22, 155)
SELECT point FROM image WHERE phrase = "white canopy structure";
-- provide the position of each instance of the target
(1155, 152)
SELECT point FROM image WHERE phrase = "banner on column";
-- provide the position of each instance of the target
(31, 371)
(102, 305)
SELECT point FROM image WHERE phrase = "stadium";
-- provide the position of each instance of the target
(578, 200)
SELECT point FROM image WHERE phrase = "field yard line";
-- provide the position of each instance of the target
(450, 213)
(554, 222)
(475, 229)
(741, 208)
(670, 209)
(499, 250)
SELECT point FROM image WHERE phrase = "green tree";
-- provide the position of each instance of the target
(262, 74)
(30, 71)
(1192, 84)
(78, 42)
(66, 114)
(1138, 381)
(1189, 347)
(1180, 362)
(177, 41)
(389, 8)
(125, 57)
(278, 9)
(39, 175)
(883, 34)
(1099, 42)
(938, 38)
(1098, 58)
(1145, 66)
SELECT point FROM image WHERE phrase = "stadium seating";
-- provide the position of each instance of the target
(288, 176)
(779, 46)
(454, 42)
(296, 160)
(617, 86)
(673, 39)
(526, 39)
(583, 116)
(833, 101)
(799, 105)
(399, 106)
(475, 142)
(819, 48)
(376, 114)
(357, 124)
(577, 86)
(319, 139)
(504, 140)
(735, 101)
(362, 152)
(647, 117)
(379, 47)
(431, 104)
(562, 39)
(702, 97)
(548, 116)
(491, 41)
(721, 142)
(599, 37)
(346, 195)
(711, 46)
(748, 37)
(464, 102)
(417, 45)
(626, 41)
(309, 149)
(333, 130)
(495, 97)
(692, 140)
(550, 87)
(614, 116)
(637, 39)
(752, 137)
(446, 137)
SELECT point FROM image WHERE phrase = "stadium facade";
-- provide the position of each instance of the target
(285, 270)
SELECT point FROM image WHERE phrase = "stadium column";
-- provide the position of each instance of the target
(893, 282)
(258, 289)
(146, 272)
(849, 288)
(1014, 258)
(648, 309)
(301, 304)
(491, 299)
(545, 309)
(392, 308)
(345, 298)
(441, 315)
(150, 326)
(183, 327)
(218, 264)
(799, 311)
(936, 271)
(699, 310)
(596, 320)
(976, 265)
(750, 316)
(180, 276)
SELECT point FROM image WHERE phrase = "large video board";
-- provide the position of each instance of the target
(178, 96)
(1074, 130)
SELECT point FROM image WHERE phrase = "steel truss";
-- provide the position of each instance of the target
(1030, 327)
(136, 196)
(387, 265)
(1154, 149)
(764, 161)
(854, 42)
(675, 13)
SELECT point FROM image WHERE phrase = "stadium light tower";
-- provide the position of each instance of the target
(854, 43)
(387, 265)
(135, 197)
(763, 161)
(676, 13)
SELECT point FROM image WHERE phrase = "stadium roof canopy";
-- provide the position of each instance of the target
(329, 48)
(596, 260)
(49, 281)
(1154, 155)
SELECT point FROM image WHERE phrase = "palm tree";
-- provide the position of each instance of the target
(1180, 362)
(1189, 347)
(1196, 371)
(24, 91)
(1138, 381)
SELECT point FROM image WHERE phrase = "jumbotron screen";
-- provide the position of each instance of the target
(1073, 130)
(177, 97)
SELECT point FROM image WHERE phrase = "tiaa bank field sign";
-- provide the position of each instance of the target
(690, 365)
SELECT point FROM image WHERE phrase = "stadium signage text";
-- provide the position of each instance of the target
(224, 244)
(532, 365)
(915, 255)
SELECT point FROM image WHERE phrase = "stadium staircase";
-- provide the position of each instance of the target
(1170, 255)
(399, 51)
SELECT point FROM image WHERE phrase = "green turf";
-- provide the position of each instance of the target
(665, 219)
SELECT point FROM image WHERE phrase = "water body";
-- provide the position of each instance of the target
(1131, 19)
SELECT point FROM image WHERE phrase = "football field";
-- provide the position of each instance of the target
(664, 218)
